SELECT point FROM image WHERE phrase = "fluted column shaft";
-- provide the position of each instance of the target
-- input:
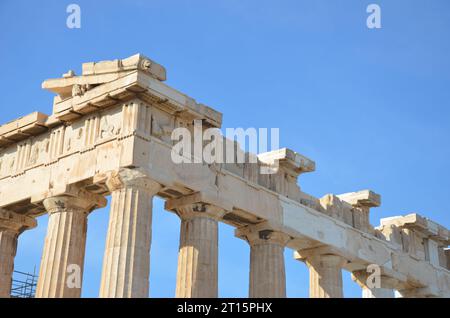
(126, 262)
(267, 271)
(8, 244)
(11, 226)
(267, 267)
(61, 270)
(197, 275)
(325, 276)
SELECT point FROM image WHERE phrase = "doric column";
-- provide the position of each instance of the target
(197, 275)
(371, 288)
(267, 269)
(325, 274)
(377, 292)
(61, 270)
(11, 226)
(126, 263)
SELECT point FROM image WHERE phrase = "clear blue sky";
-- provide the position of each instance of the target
(371, 107)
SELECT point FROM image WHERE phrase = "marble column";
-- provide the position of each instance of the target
(325, 275)
(11, 226)
(126, 262)
(61, 270)
(377, 292)
(197, 274)
(267, 268)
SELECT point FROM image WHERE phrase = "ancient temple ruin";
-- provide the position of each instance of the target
(110, 134)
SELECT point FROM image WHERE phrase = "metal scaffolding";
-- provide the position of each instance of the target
(24, 284)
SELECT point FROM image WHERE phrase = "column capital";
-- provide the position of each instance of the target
(362, 202)
(262, 233)
(363, 199)
(325, 255)
(195, 205)
(15, 222)
(75, 199)
(325, 272)
(133, 178)
(361, 277)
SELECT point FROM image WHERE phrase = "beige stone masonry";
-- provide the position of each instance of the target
(65, 243)
(337, 209)
(11, 226)
(267, 267)
(94, 74)
(422, 238)
(363, 279)
(120, 115)
(285, 165)
(362, 202)
(22, 128)
(105, 83)
(126, 263)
